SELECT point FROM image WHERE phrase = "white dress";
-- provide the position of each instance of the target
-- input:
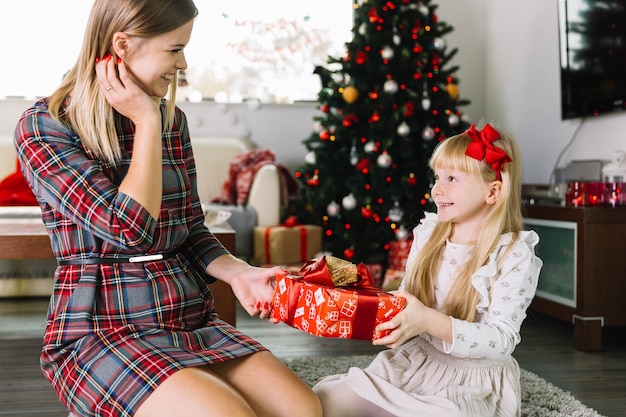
(475, 375)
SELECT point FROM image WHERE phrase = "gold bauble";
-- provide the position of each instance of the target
(350, 94)
(453, 90)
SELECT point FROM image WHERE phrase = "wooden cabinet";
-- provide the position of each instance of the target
(583, 280)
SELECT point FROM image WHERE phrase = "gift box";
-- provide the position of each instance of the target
(281, 245)
(328, 301)
(398, 254)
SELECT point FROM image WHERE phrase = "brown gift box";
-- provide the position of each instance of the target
(281, 245)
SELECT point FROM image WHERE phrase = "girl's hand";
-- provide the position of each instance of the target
(414, 320)
(410, 322)
(123, 93)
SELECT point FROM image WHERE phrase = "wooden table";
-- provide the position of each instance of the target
(28, 239)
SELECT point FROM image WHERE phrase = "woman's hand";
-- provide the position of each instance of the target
(124, 94)
(253, 286)
(414, 320)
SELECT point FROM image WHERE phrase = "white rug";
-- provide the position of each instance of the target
(539, 397)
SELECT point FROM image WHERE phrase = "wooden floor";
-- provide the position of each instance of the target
(596, 379)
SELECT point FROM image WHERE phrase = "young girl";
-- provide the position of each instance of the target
(471, 274)
(131, 327)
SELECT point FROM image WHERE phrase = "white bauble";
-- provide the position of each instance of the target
(370, 146)
(384, 160)
(333, 209)
(387, 52)
(428, 133)
(439, 43)
(310, 158)
(403, 129)
(402, 233)
(396, 213)
(349, 202)
(390, 86)
(453, 119)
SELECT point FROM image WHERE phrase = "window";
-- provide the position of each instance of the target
(239, 49)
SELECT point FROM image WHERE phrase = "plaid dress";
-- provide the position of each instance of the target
(116, 331)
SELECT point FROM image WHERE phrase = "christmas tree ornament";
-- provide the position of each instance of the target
(402, 233)
(428, 133)
(390, 86)
(423, 9)
(453, 90)
(370, 146)
(349, 202)
(425, 101)
(350, 94)
(439, 43)
(333, 209)
(317, 126)
(354, 156)
(396, 213)
(324, 134)
(403, 129)
(362, 29)
(387, 53)
(384, 160)
(453, 119)
(310, 158)
(396, 39)
(361, 57)
(366, 212)
(313, 181)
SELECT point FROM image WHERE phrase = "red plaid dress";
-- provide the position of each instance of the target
(116, 331)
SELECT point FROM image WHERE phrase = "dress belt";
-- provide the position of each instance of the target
(96, 259)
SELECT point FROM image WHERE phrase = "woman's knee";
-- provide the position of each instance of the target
(192, 392)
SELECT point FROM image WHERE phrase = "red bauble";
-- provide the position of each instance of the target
(348, 253)
(366, 212)
(361, 57)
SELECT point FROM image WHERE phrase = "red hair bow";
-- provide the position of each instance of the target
(482, 148)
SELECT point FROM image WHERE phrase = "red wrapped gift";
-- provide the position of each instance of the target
(313, 302)
(398, 254)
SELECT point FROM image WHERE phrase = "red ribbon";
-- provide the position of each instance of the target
(316, 271)
(482, 148)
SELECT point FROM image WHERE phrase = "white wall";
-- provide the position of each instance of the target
(523, 90)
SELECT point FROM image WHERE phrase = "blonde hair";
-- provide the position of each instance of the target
(504, 216)
(79, 101)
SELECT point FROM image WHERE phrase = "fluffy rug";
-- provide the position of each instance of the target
(539, 397)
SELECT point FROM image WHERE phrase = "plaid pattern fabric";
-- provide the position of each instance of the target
(115, 331)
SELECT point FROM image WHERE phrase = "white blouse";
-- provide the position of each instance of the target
(504, 295)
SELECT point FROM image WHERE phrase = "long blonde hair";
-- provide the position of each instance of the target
(504, 216)
(79, 101)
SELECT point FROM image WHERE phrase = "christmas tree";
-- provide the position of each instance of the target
(384, 107)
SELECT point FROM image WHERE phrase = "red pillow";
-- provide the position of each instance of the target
(15, 191)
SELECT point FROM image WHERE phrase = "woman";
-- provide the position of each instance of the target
(131, 328)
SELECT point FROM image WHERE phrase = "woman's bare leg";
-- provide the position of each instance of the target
(195, 392)
(269, 386)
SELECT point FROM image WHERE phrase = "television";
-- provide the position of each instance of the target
(592, 41)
